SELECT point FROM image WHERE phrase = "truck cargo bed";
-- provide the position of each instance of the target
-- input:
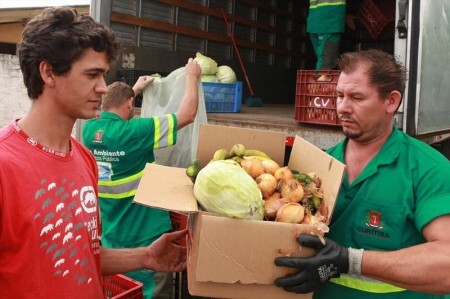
(279, 118)
(276, 118)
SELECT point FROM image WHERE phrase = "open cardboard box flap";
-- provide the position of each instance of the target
(167, 188)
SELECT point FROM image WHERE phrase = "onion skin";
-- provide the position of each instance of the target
(270, 166)
(283, 173)
(309, 218)
(253, 167)
(323, 210)
(267, 184)
(291, 212)
(271, 207)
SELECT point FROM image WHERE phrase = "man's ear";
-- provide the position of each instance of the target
(46, 71)
(130, 103)
(394, 101)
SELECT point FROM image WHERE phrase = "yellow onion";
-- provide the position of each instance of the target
(270, 166)
(291, 212)
(291, 189)
(271, 207)
(275, 194)
(283, 173)
(253, 167)
(267, 184)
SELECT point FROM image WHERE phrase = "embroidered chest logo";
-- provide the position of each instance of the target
(374, 219)
(374, 225)
(98, 136)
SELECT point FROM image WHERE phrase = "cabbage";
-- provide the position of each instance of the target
(208, 65)
(210, 78)
(224, 188)
(226, 74)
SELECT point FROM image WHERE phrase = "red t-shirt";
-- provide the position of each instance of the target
(49, 221)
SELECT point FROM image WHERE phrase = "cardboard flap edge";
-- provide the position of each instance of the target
(167, 188)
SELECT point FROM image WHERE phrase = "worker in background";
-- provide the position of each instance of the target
(389, 231)
(325, 24)
(49, 218)
(122, 145)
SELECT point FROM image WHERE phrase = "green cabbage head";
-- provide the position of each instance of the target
(210, 78)
(224, 188)
(208, 65)
(226, 74)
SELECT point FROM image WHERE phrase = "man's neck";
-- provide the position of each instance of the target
(52, 131)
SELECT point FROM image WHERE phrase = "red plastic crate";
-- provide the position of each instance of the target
(315, 100)
(121, 287)
(377, 15)
(179, 222)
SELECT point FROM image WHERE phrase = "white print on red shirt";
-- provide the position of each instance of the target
(68, 219)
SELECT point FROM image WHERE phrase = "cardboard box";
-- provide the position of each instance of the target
(233, 258)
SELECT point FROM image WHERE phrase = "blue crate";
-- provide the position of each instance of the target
(222, 97)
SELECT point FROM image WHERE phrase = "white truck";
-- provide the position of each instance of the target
(159, 36)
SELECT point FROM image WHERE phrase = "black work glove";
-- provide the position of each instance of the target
(329, 262)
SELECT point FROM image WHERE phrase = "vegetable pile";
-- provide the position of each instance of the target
(213, 73)
(248, 184)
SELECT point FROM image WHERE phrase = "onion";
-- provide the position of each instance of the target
(291, 189)
(291, 212)
(270, 166)
(267, 184)
(253, 167)
(271, 207)
(275, 194)
(283, 173)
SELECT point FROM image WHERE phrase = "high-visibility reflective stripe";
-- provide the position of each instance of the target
(366, 284)
(117, 196)
(119, 189)
(318, 3)
(157, 132)
(171, 127)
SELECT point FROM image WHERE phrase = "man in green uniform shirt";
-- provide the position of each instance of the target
(325, 25)
(389, 232)
(122, 145)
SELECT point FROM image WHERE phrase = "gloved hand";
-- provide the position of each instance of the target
(329, 262)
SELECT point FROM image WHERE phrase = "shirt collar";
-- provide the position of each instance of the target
(388, 153)
(109, 115)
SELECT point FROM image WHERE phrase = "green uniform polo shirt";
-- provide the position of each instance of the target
(326, 16)
(403, 188)
(122, 149)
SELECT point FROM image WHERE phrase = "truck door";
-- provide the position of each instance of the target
(422, 41)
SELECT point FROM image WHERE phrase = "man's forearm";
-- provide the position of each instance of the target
(189, 104)
(422, 268)
(115, 261)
